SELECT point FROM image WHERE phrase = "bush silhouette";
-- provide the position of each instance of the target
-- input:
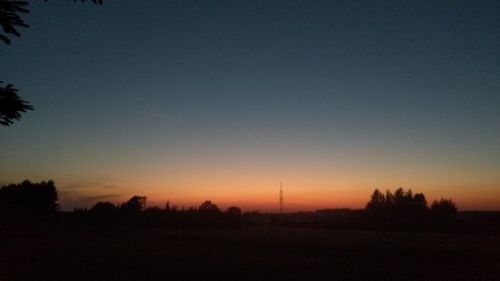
(104, 208)
(443, 213)
(233, 217)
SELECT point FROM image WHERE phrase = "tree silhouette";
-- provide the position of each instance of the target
(28, 200)
(10, 18)
(11, 105)
(11, 11)
(377, 202)
(208, 215)
(135, 204)
(208, 207)
(399, 210)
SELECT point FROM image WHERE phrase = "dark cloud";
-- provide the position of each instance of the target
(84, 193)
(80, 185)
(87, 185)
(78, 182)
(71, 199)
(100, 197)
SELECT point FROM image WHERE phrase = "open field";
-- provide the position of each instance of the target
(249, 254)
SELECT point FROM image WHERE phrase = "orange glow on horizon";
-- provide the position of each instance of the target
(307, 184)
(297, 197)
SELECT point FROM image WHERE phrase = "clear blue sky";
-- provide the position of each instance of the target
(187, 100)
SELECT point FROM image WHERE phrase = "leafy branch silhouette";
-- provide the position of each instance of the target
(11, 105)
(11, 12)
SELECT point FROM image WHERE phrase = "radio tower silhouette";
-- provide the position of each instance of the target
(281, 199)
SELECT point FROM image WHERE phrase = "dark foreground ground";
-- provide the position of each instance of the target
(248, 254)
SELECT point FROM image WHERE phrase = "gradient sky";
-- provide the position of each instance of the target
(222, 100)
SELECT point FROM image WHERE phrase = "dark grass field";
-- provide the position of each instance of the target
(247, 254)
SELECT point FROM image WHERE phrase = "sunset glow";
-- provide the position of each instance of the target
(222, 102)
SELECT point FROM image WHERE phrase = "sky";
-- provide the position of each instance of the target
(221, 100)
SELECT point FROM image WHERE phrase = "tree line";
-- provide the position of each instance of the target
(403, 210)
(30, 202)
(135, 213)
